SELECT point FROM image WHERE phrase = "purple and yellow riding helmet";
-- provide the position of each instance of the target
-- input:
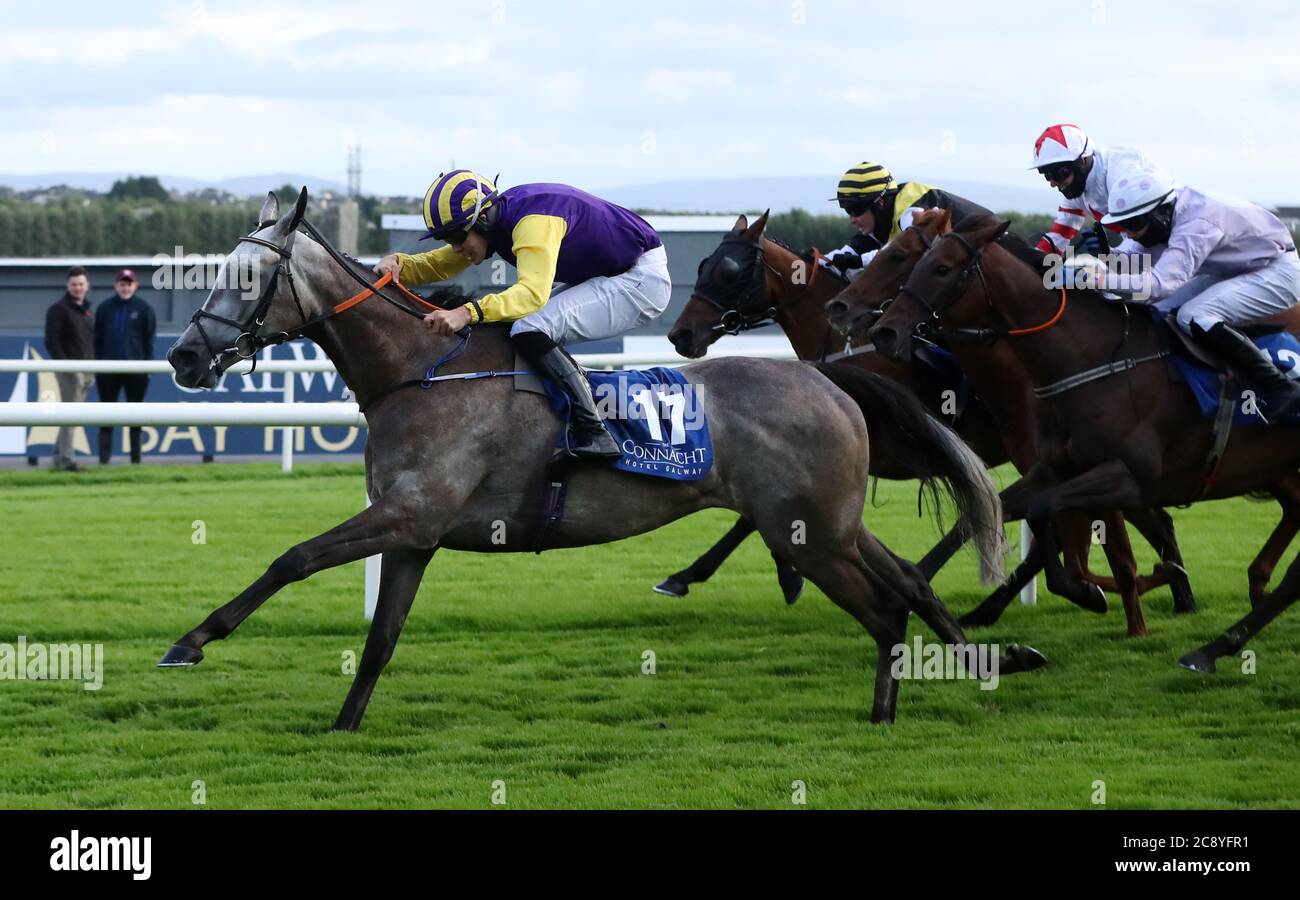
(455, 202)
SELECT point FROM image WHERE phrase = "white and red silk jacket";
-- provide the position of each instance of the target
(1108, 165)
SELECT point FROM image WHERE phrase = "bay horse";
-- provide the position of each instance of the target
(464, 464)
(996, 374)
(1120, 433)
(750, 281)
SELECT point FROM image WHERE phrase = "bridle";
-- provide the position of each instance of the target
(752, 307)
(933, 325)
(251, 341)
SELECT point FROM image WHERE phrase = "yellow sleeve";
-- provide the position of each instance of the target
(536, 244)
(426, 268)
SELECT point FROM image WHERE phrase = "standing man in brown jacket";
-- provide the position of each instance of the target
(69, 334)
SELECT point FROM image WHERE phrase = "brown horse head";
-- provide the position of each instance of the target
(728, 282)
(862, 301)
(743, 284)
(937, 288)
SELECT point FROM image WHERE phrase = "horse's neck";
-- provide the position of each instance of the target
(373, 345)
(800, 308)
(1090, 332)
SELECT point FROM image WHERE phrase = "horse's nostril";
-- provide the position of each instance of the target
(837, 308)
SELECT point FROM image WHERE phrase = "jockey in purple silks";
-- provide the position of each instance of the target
(611, 263)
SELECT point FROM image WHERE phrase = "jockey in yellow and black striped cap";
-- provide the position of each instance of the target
(880, 208)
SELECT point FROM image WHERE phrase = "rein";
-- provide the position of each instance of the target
(991, 335)
(978, 335)
(251, 341)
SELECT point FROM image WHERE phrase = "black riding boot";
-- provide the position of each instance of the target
(1276, 395)
(590, 439)
(105, 445)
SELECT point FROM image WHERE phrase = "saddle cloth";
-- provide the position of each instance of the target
(655, 415)
(1204, 380)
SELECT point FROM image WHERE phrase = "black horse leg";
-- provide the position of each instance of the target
(376, 529)
(1232, 640)
(995, 604)
(1157, 527)
(1015, 500)
(678, 584)
(399, 580)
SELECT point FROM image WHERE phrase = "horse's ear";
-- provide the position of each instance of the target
(926, 219)
(299, 209)
(741, 224)
(270, 209)
(987, 234)
(945, 222)
(755, 231)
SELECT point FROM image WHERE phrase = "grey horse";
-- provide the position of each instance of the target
(464, 464)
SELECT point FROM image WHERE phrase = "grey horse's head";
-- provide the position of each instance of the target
(243, 304)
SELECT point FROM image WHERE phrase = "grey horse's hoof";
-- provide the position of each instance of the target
(179, 656)
(1022, 658)
(672, 587)
(1198, 661)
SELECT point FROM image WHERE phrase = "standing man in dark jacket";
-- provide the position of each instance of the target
(68, 336)
(124, 329)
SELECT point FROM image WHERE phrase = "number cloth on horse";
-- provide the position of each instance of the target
(655, 415)
(1282, 348)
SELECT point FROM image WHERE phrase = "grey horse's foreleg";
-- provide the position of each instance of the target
(375, 530)
(401, 573)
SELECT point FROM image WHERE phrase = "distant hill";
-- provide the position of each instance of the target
(809, 192)
(244, 185)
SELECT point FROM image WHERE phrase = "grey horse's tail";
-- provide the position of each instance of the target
(896, 419)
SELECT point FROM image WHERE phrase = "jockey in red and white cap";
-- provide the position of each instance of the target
(1085, 175)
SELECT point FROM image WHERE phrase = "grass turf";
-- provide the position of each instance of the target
(528, 671)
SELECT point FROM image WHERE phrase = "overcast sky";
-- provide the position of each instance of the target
(597, 94)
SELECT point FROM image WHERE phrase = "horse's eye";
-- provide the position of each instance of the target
(897, 257)
(943, 270)
(728, 270)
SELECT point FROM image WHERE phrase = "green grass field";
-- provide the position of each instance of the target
(527, 670)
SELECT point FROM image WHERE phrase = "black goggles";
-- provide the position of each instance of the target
(1057, 171)
(458, 236)
(856, 206)
(1136, 224)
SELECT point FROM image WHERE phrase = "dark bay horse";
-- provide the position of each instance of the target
(997, 375)
(1121, 433)
(464, 464)
(750, 281)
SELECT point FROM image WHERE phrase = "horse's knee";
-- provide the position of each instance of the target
(291, 566)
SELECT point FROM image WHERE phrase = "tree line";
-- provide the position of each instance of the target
(139, 217)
